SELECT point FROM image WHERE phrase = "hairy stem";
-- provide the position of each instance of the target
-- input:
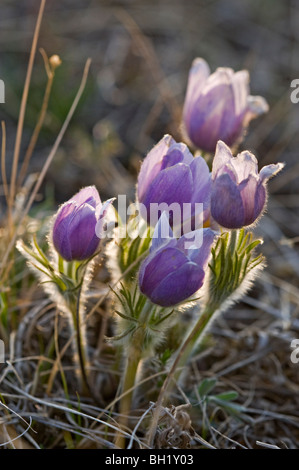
(134, 354)
(181, 359)
(82, 354)
(132, 363)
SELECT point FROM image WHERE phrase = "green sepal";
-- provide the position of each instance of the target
(232, 260)
(136, 314)
(132, 249)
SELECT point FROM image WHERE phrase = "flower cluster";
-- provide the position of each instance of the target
(171, 180)
(196, 212)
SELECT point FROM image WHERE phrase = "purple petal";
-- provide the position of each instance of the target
(153, 253)
(201, 255)
(240, 83)
(173, 156)
(256, 105)
(188, 157)
(226, 203)
(270, 170)
(260, 200)
(90, 249)
(178, 285)
(81, 233)
(201, 180)
(198, 75)
(207, 116)
(173, 185)
(231, 127)
(221, 76)
(244, 164)
(228, 170)
(152, 164)
(156, 268)
(88, 195)
(60, 230)
(197, 246)
(162, 233)
(234, 107)
(248, 190)
(101, 213)
(223, 156)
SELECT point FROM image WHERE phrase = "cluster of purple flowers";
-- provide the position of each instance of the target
(217, 111)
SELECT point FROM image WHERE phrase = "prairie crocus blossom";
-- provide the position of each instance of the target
(175, 268)
(218, 106)
(171, 175)
(77, 224)
(239, 191)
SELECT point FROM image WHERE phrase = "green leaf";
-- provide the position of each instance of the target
(165, 355)
(162, 319)
(120, 336)
(206, 386)
(232, 259)
(3, 309)
(43, 259)
(125, 317)
(231, 408)
(252, 245)
(227, 396)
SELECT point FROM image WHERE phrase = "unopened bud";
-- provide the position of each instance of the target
(55, 61)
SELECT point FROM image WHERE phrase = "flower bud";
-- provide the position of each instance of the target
(170, 175)
(239, 191)
(55, 61)
(218, 106)
(175, 268)
(74, 231)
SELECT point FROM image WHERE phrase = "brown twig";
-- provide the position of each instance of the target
(40, 121)
(23, 105)
(47, 164)
(3, 163)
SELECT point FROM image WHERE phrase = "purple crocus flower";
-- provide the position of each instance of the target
(175, 268)
(171, 175)
(218, 106)
(76, 224)
(239, 192)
